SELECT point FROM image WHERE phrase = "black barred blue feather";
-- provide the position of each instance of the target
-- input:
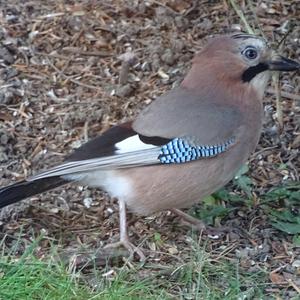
(179, 151)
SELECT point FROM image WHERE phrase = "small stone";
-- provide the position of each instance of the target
(163, 75)
(87, 202)
(155, 62)
(233, 236)
(173, 250)
(124, 90)
(168, 57)
(235, 28)
(296, 142)
(6, 56)
(9, 73)
(180, 22)
(205, 25)
(128, 57)
(2, 98)
(75, 23)
(4, 139)
(3, 155)
(87, 193)
(76, 144)
(242, 253)
(177, 45)
(145, 66)
(296, 263)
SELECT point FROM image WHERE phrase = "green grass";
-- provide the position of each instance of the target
(31, 278)
(27, 277)
(201, 277)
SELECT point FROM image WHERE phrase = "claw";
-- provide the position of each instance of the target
(196, 224)
(124, 240)
(132, 249)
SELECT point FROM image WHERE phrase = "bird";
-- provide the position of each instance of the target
(184, 145)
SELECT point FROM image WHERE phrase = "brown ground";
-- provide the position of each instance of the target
(63, 81)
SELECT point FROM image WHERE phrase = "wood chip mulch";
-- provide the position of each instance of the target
(69, 71)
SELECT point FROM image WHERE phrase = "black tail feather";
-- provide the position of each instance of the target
(23, 189)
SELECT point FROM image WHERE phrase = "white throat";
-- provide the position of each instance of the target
(260, 82)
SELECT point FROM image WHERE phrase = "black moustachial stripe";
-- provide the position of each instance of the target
(251, 72)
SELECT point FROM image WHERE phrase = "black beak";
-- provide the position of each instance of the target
(280, 63)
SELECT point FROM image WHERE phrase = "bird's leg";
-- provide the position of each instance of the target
(124, 239)
(200, 225)
(194, 222)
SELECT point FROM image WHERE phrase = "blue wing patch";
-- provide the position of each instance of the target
(179, 151)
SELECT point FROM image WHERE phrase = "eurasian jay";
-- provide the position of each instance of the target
(182, 147)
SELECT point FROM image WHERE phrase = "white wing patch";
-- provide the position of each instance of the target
(131, 144)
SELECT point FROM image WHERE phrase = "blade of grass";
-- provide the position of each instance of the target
(241, 15)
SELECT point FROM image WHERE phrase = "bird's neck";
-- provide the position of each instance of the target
(215, 84)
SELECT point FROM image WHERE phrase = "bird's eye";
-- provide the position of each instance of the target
(250, 53)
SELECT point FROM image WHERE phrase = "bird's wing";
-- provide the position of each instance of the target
(182, 113)
(118, 147)
(178, 127)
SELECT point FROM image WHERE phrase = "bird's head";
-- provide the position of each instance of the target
(256, 57)
(241, 58)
